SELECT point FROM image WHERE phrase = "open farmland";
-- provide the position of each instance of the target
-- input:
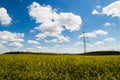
(59, 67)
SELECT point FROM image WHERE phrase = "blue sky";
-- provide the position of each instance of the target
(58, 25)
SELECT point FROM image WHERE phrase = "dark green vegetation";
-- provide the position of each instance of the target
(59, 67)
(103, 53)
(32, 53)
(88, 53)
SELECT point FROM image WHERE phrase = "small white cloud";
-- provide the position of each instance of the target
(63, 38)
(78, 43)
(12, 39)
(99, 43)
(32, 42)
(40, 36)
(16, 44)
(98, 6)
(51, 41)
(95, 12)
(89, 34)
(101, 32)
(5, 19)
(59, 45)
(93, 34)
(107, 24)
(110, 40)
(59, 39)
(32, 31)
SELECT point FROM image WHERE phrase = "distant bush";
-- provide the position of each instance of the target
(103, 53)
(34, 53)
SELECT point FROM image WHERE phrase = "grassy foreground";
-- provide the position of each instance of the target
(59, 67)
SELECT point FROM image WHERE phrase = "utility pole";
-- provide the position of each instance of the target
(84, 41)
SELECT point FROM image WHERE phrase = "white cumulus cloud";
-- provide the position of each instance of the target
(32, 42)
(16, 44)
(93, 34)
(95, 12)
(52, 23)
(99, 43)
(53, 41)
(107, 24)
(110, 40)
(12, 39)
(112, 9)
(98, 6)
(69, 20)
(5, 19)
(59, 39)
(89, 34)
(101, 32)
